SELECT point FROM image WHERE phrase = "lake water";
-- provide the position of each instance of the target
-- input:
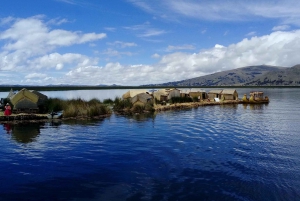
(232, 152)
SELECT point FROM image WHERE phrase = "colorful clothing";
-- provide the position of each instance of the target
(7, 111)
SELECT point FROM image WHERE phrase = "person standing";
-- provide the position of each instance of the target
(7, 111)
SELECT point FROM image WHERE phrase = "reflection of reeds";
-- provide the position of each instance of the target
(78, 107)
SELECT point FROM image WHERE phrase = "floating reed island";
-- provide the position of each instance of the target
(139, 101)
(34, 106)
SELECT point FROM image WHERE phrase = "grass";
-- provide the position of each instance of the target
(78, 107)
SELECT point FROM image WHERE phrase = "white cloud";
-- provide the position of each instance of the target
(121, 44)
(145, 30)
(278, 48)
(252, 33)
(182, 47)
(31, 45)
(35, 75)
(281, 28)
(112, 29)
(155, 56)
(220, 10)
(115, 53)
(28, 42)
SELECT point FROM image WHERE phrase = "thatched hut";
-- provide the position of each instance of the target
(200, 94)
(229, 94)
(25, 101)
(132, 93)
(160, 95)
(141, 99)
(173, 93)
(214, 94)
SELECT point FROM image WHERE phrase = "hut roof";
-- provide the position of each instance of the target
(228, 91)
(196, 90)
(143, 97)
(132, 93)
(161, 92)
(39, 94)
(24, 94)
(215, 91)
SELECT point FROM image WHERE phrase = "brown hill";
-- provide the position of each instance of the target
(262, 75)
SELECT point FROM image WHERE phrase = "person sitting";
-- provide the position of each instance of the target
(7, 111)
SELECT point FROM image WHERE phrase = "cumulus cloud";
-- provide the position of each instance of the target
(28, 42)
(35, 75)
(278, 49)
(155, 56)
(30, 45)
(281, 28)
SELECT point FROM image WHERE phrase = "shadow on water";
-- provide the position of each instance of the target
(24, 132)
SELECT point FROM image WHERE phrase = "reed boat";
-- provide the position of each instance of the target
(255, 97)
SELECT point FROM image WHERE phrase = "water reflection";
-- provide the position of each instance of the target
(55, 122)
(255, 106)
(7, 127)
(140, 117)
(84, 122)
(25, 132)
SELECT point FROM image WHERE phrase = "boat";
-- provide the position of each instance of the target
(55, 115)
(255, 97)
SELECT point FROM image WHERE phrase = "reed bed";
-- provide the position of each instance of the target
(78, 107)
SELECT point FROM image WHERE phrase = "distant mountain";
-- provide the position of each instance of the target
(262, 75)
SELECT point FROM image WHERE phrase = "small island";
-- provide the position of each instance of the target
(31, 105)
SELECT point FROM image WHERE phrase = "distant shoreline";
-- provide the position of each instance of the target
(69, 88)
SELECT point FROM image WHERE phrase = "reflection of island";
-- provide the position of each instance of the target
(141, 117)
(25, 133)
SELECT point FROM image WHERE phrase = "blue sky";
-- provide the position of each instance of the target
(136, 42)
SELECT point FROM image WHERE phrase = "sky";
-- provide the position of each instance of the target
(138, 42)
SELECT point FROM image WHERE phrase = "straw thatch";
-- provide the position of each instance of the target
(25, 101)
(214, 93)
(160, 95)
(132, 93)
(229, 94)
(141, 99)
(200, 94)
(42, 97)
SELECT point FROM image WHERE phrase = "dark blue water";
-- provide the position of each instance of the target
(232, 152)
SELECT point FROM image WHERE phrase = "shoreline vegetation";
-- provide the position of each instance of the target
(80, 109)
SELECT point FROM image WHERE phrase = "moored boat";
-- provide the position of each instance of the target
(255, 97)
(55, 115)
